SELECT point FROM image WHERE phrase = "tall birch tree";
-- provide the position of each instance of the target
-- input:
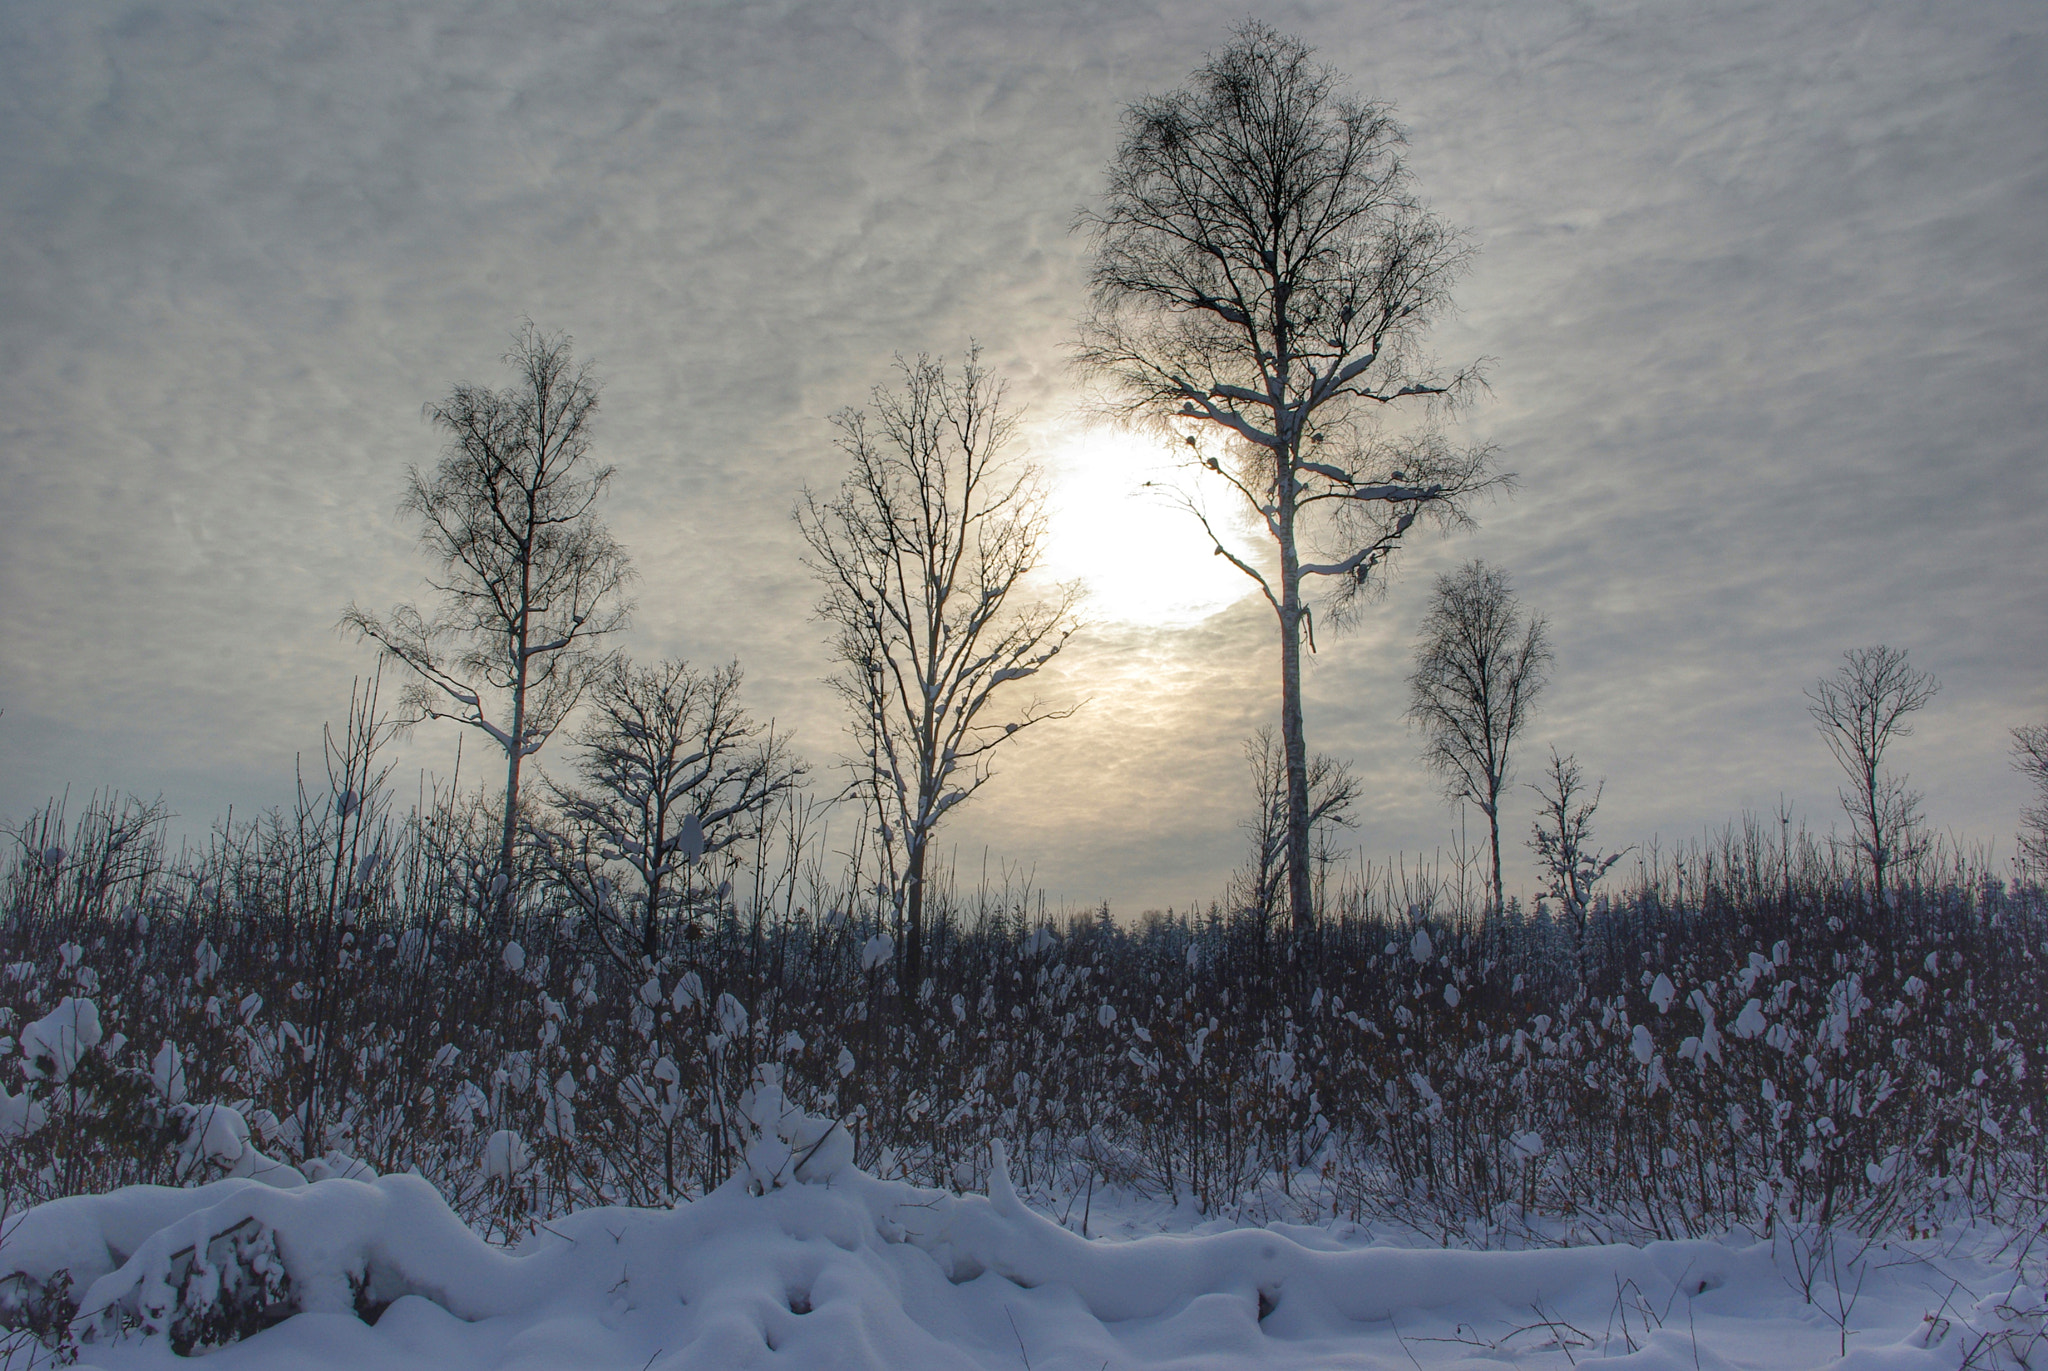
(1264, 275)
(529, 580)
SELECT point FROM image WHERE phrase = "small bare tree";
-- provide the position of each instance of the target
(674, 770)
(1479, 667)
(530, 578)
(2030, 756)
(1259, 887)
(1562, 839)
(920, 554)
(1861, 710)
(1264, 274)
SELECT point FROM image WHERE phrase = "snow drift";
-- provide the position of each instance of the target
(805, 1261)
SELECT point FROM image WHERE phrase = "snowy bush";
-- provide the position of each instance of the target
(217, 1289)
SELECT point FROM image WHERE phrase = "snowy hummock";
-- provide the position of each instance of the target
(831, 1267)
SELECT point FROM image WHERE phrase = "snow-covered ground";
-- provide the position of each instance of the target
(804, 1261)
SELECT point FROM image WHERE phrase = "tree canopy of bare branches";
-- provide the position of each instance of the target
(530, 580)
(2030, 756)
(1861, 709)
(921, 554)
(674, 770)
(1264, 275)
(1479, 668)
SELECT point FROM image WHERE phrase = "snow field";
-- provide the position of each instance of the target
(804, 1261)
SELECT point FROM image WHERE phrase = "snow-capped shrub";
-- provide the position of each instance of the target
(784, 1145)
(53, 1045)
(217, 1290)
(505, 1156)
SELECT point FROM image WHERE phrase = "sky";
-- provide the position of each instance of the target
(1759, 288)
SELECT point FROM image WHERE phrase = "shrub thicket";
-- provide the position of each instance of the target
(1754, 1040)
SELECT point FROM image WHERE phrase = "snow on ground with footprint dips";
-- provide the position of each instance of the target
(804, 1261)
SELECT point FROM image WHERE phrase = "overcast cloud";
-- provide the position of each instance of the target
(1761, 285)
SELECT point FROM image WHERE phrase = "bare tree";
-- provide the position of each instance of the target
(530, 578)
(1479, 668)
(2030, 755)
(674, 771)
(1860, 710)
(1562, 839)
(1264, 275)
(1258, 887)
(920, 554)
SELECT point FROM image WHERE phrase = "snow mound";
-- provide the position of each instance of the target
(804, 1261)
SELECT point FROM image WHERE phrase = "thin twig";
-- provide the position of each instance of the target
(1019, 1336)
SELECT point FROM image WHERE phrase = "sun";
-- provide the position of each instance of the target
(1143, 560)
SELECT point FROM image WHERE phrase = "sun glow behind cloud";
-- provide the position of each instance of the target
(1143, 559)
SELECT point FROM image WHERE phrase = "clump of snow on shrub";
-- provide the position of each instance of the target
(784, 1145)
(53, 1045)
(1640, 1046)
(167, 1073)
(505, 1156)
(1419, 946)
(214, 1140)
(1662, 993)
